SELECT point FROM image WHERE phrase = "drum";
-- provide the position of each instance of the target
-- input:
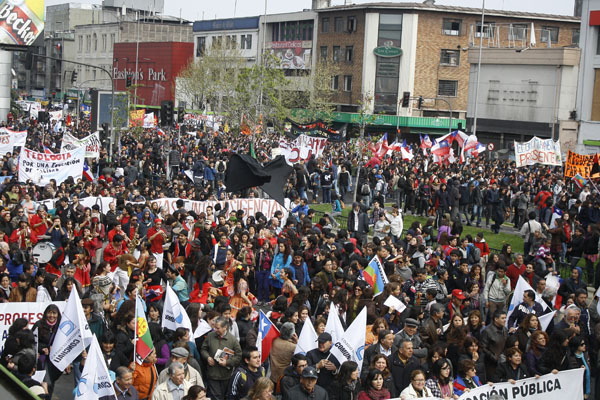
(43, 252)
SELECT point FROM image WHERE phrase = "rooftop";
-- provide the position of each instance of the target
(452, 9)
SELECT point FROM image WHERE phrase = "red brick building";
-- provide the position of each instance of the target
(158, 64)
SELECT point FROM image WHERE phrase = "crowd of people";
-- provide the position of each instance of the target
(225, 266)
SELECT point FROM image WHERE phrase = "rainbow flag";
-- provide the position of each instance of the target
(579, 180)
(143, 344)
(375, 276)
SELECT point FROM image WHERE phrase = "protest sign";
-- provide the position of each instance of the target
(538, 151)
(149, 121)
(31, 311)
(91, 143)
(56, 115)
(41, 167)
(11, 139)
(302, 148)
(580, 164)
(136, 117)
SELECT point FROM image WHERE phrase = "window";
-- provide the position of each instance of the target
(447, 88)
(246, 41)
(200, 46)
(335, 82)
(347, 83)
(339, 24)
(88, 43)
(80, 43)
(112, 40)
(325, 25)
(94, 74)
(104, 41)
(575, 37)
(95, 42)
(549, 32)
(351, 24)
(517, 32)
(390, 30)
(336, 53)
(324, 53)
(217, 42)
(488, 30)
(451, 27)
(450, 57)
(349, 54)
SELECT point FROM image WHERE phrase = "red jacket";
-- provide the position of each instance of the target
(513, 272)
(111, 255)
(156, 243)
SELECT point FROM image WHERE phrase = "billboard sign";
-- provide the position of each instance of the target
(21, 21)
(293, 54)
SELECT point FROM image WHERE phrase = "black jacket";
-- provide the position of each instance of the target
(298, 393)
(343, 391)
(289, 379)
(505, 371)
(363, 222)
(401, 372)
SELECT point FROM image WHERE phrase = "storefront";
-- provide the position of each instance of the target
(158, 64)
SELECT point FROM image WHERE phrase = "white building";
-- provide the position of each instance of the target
(588, 89)
(240, 34)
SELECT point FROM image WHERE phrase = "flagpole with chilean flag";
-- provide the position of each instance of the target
(267, 332)
(375, 275)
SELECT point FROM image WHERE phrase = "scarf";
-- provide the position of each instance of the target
(378, 394)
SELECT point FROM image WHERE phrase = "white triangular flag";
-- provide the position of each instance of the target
(307, 340)
(351, 346)
(174, 315)
(95, 382)
(334, 325)
(517, 299)
(203, 327)
(73, 334)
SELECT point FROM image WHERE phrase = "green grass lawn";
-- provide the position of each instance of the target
(494, 241)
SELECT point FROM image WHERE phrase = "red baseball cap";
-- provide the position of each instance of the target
(458, 294)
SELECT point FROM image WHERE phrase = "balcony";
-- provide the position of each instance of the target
(513, 36)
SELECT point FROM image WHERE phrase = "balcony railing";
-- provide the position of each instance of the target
(515, 36)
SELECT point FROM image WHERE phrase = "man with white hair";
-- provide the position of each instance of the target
(176, 387)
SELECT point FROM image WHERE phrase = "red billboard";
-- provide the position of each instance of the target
(158, 64)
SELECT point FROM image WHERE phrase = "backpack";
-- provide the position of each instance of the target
(221, 167)
(474, 255)
(365, 189)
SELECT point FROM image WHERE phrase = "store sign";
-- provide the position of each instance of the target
(387, 51)
(149, 75)
(293, 54)
(21, 21)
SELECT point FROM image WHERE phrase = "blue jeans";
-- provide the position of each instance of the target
(476, 213)
(326, 194)
(262, 285)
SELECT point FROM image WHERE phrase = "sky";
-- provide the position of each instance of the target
(211, 9)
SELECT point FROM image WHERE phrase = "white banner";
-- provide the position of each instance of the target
(31, 311)
(250, 206)
(538, 151)
(11, 139)
(174, 315)
(56, 115)
(149, 121)
(302, 148)
(351, 346)
(95, 382)
(40, 167)
(517, 299)
(91, 143)
(73, 334)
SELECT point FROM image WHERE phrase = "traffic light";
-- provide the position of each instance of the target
(104, 134)
(73, 77)
(53, 95)
(180, 112)
(64, 98)
(128, 80)
(405, 99)
(166, 113)
(28, 60)
(420, 103)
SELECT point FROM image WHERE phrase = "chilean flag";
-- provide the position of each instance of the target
(425, 142)
(441, 148)
(406, 151)
(393, 147)
(47, 150)
(267, 332)
(87, 174)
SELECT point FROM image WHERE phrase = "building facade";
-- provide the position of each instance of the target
(158, 65)
(588, 90)
(385, 50)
